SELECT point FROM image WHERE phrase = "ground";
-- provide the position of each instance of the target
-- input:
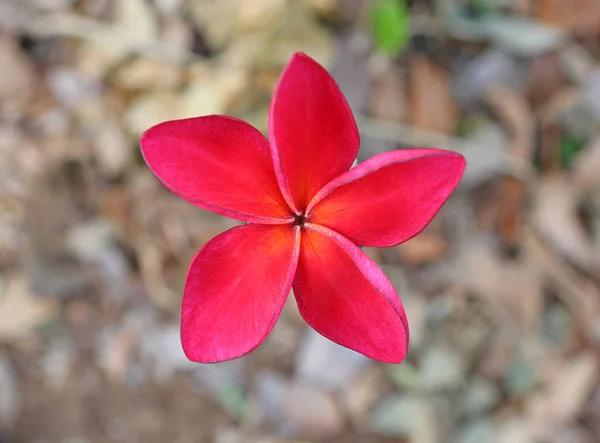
(502, 290)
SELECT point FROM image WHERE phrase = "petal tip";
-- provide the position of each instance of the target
(394, 360)
(191, 353)
(301, 56)
(301, 60)
(461, 164)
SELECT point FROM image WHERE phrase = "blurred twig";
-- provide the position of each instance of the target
(409, 135)
(406, 134)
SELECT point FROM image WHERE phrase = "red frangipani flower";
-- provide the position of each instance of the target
(306, 212)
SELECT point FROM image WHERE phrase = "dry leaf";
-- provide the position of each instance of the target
(587, 165)
(512, 195)
(256, 15)
(577, 63)
(137, 17)
(514, 111)
(21, 311)
(431, 104)
(550, 145)
(579, 16)
(555, 217)
(546, 78)
(146, 73)
(423, 249)
(513, 287)
(564, 394)
(18, 82)
(579, 294)
(388, 100)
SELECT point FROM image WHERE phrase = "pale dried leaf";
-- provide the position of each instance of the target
(514, 111)
(564, 394)
(388, 99)
(21, 311)
(513, 287)
(137, 17)
(259, 14)
(579, 294)
(554, 215)
(577, 63)
(18, 82)
(587, 165)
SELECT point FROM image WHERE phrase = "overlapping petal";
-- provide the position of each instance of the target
(344, 295)
(235, 289)
(389, 198)
(218, 163)
(312, 131)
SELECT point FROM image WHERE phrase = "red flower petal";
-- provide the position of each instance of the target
(344, 296)
(389, 198)
(218, 163)
(313, 134)
(235, 289)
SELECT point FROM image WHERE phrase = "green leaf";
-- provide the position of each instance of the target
(520, 377)
(480, 8)
(404, 376)
(233, 401)
(390, 25)
(569, 147)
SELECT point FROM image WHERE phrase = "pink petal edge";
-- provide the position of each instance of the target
(346, 297)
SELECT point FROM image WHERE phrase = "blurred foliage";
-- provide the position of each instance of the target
(390, 25)
(569, 147)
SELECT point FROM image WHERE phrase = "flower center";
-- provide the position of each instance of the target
(300, 219)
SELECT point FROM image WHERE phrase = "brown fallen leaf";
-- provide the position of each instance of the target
(512, 196)
(546, 78)
(514, 111)
(423, 249)
(550, 143)
(431, 104)
(561, 103)
(579, 16)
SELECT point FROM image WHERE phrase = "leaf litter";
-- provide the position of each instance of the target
(504, 287)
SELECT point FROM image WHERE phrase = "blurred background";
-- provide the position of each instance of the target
(502, 289)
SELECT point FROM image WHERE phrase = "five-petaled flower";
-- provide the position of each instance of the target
(306, 214)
